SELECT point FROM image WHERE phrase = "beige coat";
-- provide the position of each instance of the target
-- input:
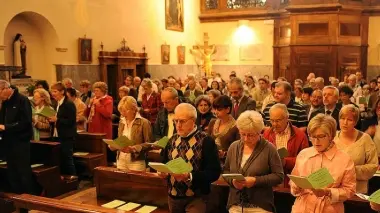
(141, 133)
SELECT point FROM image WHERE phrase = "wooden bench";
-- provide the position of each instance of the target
(97, 149)
(139, 187)
(48, 175)
(50, 205)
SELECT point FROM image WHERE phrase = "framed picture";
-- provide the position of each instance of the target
(251, 52)
(85, 50)
(222, 53)
(181, 54)
(165, 54)
(174, 15)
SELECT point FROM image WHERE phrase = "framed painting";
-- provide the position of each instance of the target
(165, 54)
(174, 15)
(181, 53)
(85, 50)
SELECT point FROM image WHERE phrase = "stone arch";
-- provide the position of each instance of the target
(41, 39)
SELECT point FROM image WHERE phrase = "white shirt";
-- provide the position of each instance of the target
(55, 134)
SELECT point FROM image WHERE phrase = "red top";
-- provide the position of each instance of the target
(101, 121)
(154, 104)
(297, 142)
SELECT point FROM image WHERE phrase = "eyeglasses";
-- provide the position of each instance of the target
(180, 121)
(276, 120)
(248, 135)
(317, 137)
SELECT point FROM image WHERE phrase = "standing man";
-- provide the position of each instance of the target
(16, 131)
(261, 93)
(187, 191)
(375, 95)
(297, 113)
(192, 92)
(330, 102)
(316, 100)
(164, 125)
(241, 102)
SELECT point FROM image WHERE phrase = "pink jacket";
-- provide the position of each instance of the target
(342, 169)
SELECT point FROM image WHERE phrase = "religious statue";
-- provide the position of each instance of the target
(19, 55)
(205, 52)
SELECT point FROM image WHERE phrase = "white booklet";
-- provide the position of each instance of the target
(238, 177)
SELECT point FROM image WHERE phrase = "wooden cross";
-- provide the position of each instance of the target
(123, 42)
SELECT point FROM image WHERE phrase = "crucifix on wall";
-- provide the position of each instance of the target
(204, 52)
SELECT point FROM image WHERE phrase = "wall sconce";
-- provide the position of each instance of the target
(244, 35)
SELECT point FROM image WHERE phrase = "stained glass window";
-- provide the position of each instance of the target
(211, 4)
(237, 4)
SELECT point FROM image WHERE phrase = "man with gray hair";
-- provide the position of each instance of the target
(330, 102)
(16, 132)
(164, 125)
(187, 191)
(319, 83)
(283, 134)
(241, 102)
(352, 79)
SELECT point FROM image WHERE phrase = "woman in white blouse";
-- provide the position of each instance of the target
(137, 129)
(358, 145)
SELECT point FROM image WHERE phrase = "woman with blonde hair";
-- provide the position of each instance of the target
(137, 129)
(41, 124)
(99, 111)
(323, 154)
(358, 145)
(258, 161)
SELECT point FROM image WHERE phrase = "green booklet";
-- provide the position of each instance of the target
(120, 142)
(176, 166)
(283, 152)
(317, 180)
(46, 112)
(162, 142)
(36, 165)
(374, 197)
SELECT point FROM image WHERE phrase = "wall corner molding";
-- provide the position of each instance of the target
(61, 49)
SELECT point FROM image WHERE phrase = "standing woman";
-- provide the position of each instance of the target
(258, 161)
(151, 102)
(223, 129)
(203, 106)
(323, 154)
(41, 124)
(65, 128)
(358, 145)
(137, 129)
(100, 111)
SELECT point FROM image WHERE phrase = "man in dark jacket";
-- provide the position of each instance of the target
(16, 132)
(164, 125)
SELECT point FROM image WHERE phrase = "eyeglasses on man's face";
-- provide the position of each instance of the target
(181, 121)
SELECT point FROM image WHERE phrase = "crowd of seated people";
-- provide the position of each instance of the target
(245, 121)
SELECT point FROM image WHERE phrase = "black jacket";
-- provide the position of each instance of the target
(66, 120)
(161, 127)
(206, 119)
(16, 115)
(334, 114)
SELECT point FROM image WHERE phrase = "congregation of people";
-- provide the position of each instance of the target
(220, 126)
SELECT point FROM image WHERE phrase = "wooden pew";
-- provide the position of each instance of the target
(48, 175)
(50, 205)
(139, 187)
(97, 149)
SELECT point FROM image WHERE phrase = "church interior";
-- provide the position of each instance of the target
(110, 41)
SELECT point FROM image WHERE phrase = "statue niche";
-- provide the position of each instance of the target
(19, 56)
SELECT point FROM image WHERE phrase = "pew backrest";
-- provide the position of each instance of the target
(140, 187)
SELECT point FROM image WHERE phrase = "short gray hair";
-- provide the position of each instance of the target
(202, 98)
(171, 90)
(353, 76)
(237, 81)
(250, 121)
(336, 90)
(4, 84)
(215, 93)
(67, 80)
(188, 108)
(320, 79)
(280, 106)
(148, 82)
